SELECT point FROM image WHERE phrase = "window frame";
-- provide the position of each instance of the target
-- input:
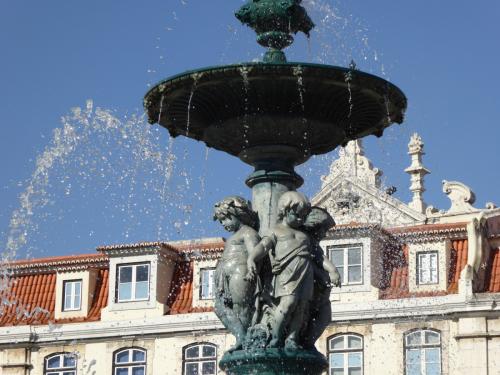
(65, 284)
(421, 347)
(419, 268)
(60, 370)
(346, 350)
(345, 265)
(200, 360)
(130, 365)
(133, 282)
(212, 296)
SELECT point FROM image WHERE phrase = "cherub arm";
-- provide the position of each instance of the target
(333, 271)
(257, 253)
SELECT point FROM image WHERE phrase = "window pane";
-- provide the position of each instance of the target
(432, 355)
(413, 356)
(142, 290)
(192, 369)
(138, 356)
(122, 357)
(433, 369)
(208, 351)
(138, 370)
(54, 362)
(341, 273)
(355, 371)
(67, 302)
(353, 342)
(337, 343)
(69, 360)
(122, 371)
(354, 256)
(337, 360)
(142, 273)
(354, 360)
(414, 338)
(208, 368)
(337, 372)
(354, 274)
(413, 369)
(193, 352)
(69, 373)
(125, 291)
(125, 274)
(337, 257)
(431, 337)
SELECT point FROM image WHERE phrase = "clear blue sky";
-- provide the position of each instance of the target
(55, 55)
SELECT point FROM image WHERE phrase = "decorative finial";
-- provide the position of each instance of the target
(417, 172)
(274, 21)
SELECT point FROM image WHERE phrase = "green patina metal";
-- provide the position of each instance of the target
(274, 21)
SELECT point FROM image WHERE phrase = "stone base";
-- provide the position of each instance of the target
(273, 362)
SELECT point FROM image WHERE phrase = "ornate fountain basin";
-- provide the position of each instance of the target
(307, 107)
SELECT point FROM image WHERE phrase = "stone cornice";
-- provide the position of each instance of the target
(68, 264)
(161, 249)
(431, 234)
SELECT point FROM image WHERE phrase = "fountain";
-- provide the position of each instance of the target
(288, 112)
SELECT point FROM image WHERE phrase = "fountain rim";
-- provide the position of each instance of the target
(291, 64)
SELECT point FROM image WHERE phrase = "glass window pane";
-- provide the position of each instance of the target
(337, 372)
(337, 360)
(142, 273)
(413, 369)
(355, 371)
(142, 290)
(354, 274)
(414, 338)
(67, 302)
(432, 355)
(433, 369)
(192, 369)
(337, 343)
(125, 275)
(122, 357)
(341, 273)
(208, 351)
(125, 292)
(78, 288)
(413, 356)
(138, 356)
(208, 368)
(431, 337)
(69, 360)
(69, 373)
(354, 256)
(337, 257)
(354, 342)
(121, 371)
(138, 370)
(193, 352)
(354, 359)
(54, 362)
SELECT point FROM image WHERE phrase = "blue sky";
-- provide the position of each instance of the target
(56, 55)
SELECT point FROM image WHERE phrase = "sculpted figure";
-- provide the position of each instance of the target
(326, 275)
(292, 281)
(234, 302)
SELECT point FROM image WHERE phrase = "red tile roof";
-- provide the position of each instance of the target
(494, 272)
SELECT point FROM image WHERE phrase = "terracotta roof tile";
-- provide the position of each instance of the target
(493, 273)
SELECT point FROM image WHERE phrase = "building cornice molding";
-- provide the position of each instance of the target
(430, 235)
(63, 265)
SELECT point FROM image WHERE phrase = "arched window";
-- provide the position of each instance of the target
(423, 352)
(345, 354)
(60, 364)
(129, 361)
(200, 359)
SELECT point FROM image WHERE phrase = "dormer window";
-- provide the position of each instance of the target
(133, 282)
(349, 262)
(207, 288)
(72, 295)
(427, 267)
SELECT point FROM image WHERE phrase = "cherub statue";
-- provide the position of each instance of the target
(326, 275)
(293, 275)
(234, 301)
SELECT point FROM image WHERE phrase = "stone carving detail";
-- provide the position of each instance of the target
(417, 171)
(461, 196)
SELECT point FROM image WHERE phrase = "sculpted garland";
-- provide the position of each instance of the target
(273, 291)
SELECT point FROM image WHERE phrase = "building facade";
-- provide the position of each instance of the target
(420, 292)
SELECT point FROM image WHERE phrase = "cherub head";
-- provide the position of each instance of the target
(318, 222)
(233, 212)
(293, 207)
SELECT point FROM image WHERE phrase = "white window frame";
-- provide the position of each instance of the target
(131, 364)
(200, 360)
(70, 286)
(71, 370)
(345, 351)
(433, 277)
(423, 346)
(346, 265)
(133, 282)
(211, 284)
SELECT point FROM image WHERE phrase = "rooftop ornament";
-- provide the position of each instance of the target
(273, 283)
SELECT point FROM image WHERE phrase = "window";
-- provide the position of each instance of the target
(72, 295)
(348, 261)
(133, 282)
(130, 361)
(207, 289)
(427, 267)
(200, 359)
(60, 364)
(423, 352)
(345, 354)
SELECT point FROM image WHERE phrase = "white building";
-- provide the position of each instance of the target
(420, 292)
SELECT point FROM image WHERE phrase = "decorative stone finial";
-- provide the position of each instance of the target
(274, 21)
(461, 196)
(417, 172)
